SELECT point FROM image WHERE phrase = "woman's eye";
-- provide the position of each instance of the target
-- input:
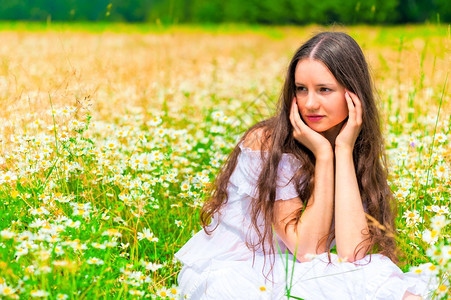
(300, 89)
(325, 90)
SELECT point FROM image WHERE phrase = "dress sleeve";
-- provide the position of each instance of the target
(248, 168)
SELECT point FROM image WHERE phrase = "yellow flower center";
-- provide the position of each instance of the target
(442, 288)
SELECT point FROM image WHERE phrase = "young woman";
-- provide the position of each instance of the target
(298, 184)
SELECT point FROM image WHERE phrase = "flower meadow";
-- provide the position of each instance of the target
(111, 139)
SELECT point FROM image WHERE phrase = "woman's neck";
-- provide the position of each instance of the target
(332, 133)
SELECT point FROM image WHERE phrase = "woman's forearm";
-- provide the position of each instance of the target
(351, 227)
(303, 238)
(316, 220)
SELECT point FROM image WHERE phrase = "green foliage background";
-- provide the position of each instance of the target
(217, 11)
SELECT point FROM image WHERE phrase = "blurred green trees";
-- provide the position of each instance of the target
(242, 11)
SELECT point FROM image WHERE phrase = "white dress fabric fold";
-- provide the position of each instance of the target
(221, 266)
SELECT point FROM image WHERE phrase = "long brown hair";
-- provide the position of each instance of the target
(345, 60)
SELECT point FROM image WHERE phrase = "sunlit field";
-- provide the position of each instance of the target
(110, 136)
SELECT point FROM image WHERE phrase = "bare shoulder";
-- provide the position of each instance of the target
(256, 139)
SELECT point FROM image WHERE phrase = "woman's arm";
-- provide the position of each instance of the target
(351, 227)
(303, 238)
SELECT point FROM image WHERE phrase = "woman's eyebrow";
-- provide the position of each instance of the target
(319, 84)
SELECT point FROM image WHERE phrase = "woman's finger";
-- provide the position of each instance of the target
(297, 118)
(293, 116)
(357, 104)
(351, 107)
(358, 108)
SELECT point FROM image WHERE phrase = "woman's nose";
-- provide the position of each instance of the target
(311, 102)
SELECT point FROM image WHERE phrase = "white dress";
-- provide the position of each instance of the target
(221, 266)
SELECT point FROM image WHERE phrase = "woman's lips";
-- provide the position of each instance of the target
(314, 118)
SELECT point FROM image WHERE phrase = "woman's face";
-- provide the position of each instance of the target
(320, 98)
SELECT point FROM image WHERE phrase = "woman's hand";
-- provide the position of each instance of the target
(307, 136)
(351, 129)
